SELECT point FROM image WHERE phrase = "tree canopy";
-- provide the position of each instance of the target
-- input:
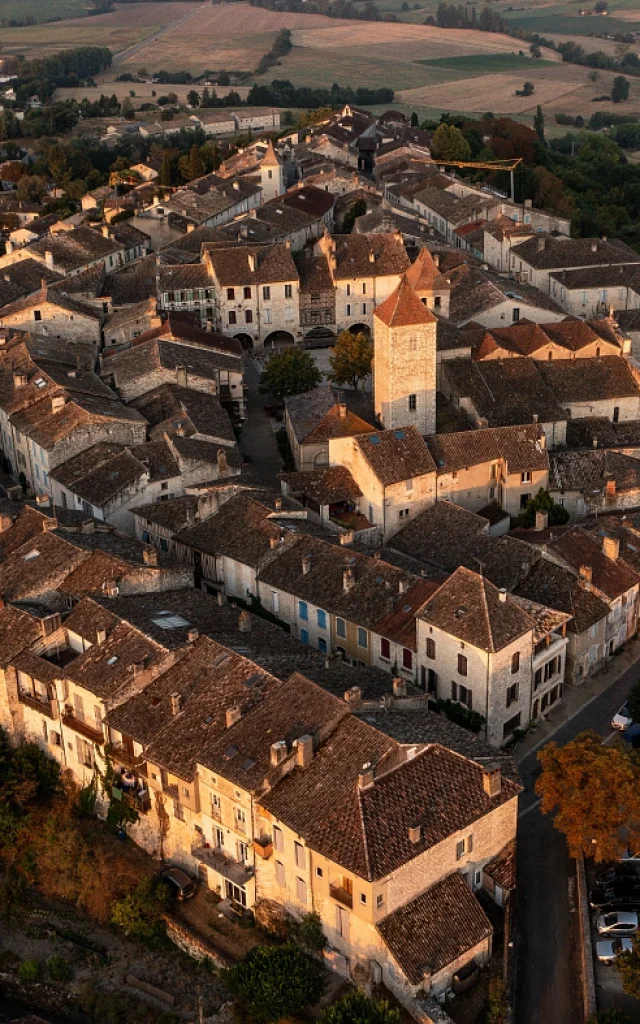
(273, 982)
(289, 373)
(351, 359)
(449, 143)
(594, 792)
(543, 502)
(356, 1008)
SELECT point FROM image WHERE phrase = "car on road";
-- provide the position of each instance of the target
(608, 949)
(618, 922)
(622, 719)
(180, 884)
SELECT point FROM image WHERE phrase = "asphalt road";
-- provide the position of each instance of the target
(548, 984)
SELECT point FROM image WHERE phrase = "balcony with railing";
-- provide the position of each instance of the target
(91, 730)
(38, 702)
(341, 894)
(226, 866)
(263, 847)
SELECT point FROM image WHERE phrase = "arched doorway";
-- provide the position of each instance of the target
(319, 337)
(245, 340)
(360, 329)
(279, 339)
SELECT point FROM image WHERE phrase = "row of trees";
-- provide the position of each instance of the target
(459, 16)
(43, 75)
(281, 46)
(282, 93)
(294, 371)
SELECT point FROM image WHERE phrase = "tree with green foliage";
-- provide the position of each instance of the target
(273, 982)
(449, 143)
(543, 502)
(58, 968)
(414, 120)
(593, 793)
(289, 373)
(538, 123)
(127, 109)
(139, 913)
(223, 79)
(166, 171)
(351, 359)
(309, 933)
(620, 89)
(356, 1008)
(610, 1017)
(193, 98)
(357, 209)
(29, 970)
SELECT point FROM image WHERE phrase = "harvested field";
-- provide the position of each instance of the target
(486, 63)
(41, 10)
(121, 28)
(143, 93)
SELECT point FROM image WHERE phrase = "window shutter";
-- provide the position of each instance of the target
(454, 691)
(278, 839)
(279, 873)
(300, 858)
(301, 890)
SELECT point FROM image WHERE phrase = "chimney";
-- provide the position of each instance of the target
(540, 245)
(232, 715)
(220, 597)
(342, 410)
(251, 256)
(435, 256)
(415, 833)
(101, 636)
(502, 593)
(347, 538)
(306, 565)
(176, 703)
(192, 636)
(542, 520)
(48, 259)
(353, 695)
(348, 579)
(20, 380)
(236, 185)
(244, 622)
(366, 776)
(403, 586)
(274, 542)
(8, 247)
(372, 256)
(492, 779)
(610, 489)
(42, 500)
(278, 752)
(105, 230)
(1, 603)
(586, 573)
(304, 750)
(399, 687)
(594, 247)
(181, 376)
(611, 548)
(594, 442)
(277, 505)
(6, 522)
(58, 402)
(223, 465)
(150, 556)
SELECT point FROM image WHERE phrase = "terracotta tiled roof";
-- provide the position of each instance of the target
(522, 448)
(471, 608)
(377, 255)
(315, 417)
(557, 587)
(589, 380)
(502, 869)
(18, 630)
(325, 486)
(435, 929)
(240, 265)
(400, 624)
(396, 455)
(403, 308)
(577, 548)
(424, 275)
(545, 252)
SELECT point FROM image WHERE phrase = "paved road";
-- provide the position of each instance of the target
(548, 989)
(257, 440)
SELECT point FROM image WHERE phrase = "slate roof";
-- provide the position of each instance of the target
(436, 928)
(396, 455)
(403, 308)
(522, 447)
(470, 608)
(563, 253)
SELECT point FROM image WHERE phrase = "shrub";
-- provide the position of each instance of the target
(461, 715)
(29, 970)
(139, 912)
(310, 933)
(356, 1008)
(275, 982)
(59, 969)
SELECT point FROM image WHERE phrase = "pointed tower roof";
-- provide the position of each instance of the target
(423, 273)
(270, 158)
(403, 308)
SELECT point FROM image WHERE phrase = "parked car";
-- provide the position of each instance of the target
(622, 719)
(608, 949)
(611, 874)
(618, 922)
(181, 885)
(620, 893)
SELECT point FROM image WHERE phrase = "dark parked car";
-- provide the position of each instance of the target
(181, 885)
(615, 897)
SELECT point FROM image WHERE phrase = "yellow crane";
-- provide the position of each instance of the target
(488, 165)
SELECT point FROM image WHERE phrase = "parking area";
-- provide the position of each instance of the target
(623, 885)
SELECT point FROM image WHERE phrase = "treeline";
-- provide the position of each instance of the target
(281, 93)
(18, 22)
(457, 16)
(573, 53)
(339, 9)
(68, 68)
(282, 45)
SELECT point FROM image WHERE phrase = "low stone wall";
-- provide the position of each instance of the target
(584, 939)
(192, 944)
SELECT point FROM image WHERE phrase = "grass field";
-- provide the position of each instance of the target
(484, 64)
(123, 27)
(42, 10)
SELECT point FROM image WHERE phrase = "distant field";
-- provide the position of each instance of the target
(565, 19)
(42, 10)
(126, 25)
(486, 63)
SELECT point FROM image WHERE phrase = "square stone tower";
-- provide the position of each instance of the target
(271, 175)
(404, 371)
